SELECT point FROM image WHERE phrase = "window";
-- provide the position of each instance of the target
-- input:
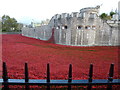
(87, 27)
(79, 27)
(93, 27)
(58, 27)
(64, 27)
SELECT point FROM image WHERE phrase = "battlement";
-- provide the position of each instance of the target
(85, 12)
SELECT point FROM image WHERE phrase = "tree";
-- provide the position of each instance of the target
(9, 24)
(104, 16)
(112, 13)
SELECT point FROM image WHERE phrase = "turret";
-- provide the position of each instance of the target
(89, 12)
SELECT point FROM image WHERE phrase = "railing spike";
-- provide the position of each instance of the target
(109, 84)
(110, 77)
(90, 72)
(90, 77)
(70, 73)
(26, 73)
(70, 76)
(48, 72)
(111, 72)
(26, 77)
(5, 75)
(48, 77)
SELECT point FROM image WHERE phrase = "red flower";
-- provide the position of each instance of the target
(17, 49)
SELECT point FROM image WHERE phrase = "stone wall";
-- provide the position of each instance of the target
(83, 28)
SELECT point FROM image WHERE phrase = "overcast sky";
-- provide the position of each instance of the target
(37, 10)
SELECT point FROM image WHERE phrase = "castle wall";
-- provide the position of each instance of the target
(78, 29)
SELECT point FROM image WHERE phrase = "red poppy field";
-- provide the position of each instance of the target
(17, 49)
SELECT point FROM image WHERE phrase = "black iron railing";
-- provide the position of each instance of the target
(89, 82)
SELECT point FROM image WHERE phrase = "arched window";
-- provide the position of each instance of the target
(87, 27)
(79, 27)
(64, 27)
(93, 27)
(58, 27)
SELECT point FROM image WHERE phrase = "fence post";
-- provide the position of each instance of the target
(26, 77)
(90, 77)
(48, 76)
(5, 77)
(110, 78)
(70, 76)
